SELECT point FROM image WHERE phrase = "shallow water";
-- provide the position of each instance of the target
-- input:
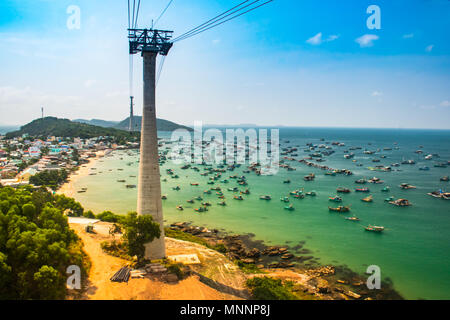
(414, 251)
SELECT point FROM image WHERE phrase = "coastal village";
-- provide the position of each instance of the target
(23, 157)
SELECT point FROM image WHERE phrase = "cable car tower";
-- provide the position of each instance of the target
(150, 43)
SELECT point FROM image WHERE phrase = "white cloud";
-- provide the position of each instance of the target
(445, 103)
(316, 40)
(332, 37)
(366, 40)
(377, 93)
(429, 48)
(408, 36)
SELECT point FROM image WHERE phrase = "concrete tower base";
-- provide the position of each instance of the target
(149, 184)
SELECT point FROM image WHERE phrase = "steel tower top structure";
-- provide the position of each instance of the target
(150, 40)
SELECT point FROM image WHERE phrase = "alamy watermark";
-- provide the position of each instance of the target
(227, 146)
(374, 280)
(74, 19)
(74, 279)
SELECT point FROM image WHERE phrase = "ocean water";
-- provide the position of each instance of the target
(414, 250)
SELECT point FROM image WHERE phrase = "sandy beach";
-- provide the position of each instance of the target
(68, 188)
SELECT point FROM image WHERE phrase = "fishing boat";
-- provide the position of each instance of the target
(352, 218)
(362, 190)
(198, 198)
(436, 194)
(190, 201)
(299, 196)
(177, 188)
(201, 209)
(343, 190)
(335, 199)
(131, 186)
(238, 198)
(339, 209)
(265, 198)
(361, 181)
(407, 186)
(222, 203)
(391, 198)
(400, 203)
(206, 204)
(207, 191)
(367, 199)
(120, 180)
(330, 173)
(179, 207)
(311, 193)
(194, 183)
(246, 191)
(425, 168)
(445, 179)
(284, 199)
(309, 177)
(374, 228)
(386, 189)
(287, 181)
(289, 208)
(163, 197)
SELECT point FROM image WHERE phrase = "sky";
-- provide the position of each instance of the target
(291, 63)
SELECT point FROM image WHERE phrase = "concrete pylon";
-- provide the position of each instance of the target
(149, 184)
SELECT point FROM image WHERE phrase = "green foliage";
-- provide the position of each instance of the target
(220, 247)
(139, 230)
(177, 234)
(177, 269)
(265, 288)
(36, 245)
(69, 205)
(250, 268)
(51, 126)
(108, 216)
(51, 178)
(89, 214)
(116, 249)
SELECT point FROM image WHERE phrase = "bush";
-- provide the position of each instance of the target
(176, 269)
(265, 288)
(108, 216)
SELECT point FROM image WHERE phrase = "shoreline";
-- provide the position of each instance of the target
(68, 188)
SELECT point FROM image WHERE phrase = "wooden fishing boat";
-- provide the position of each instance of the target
(177, 188)
(238, 198)
(289, 208)
(265, 198)
(389, 199)
(311, 193)
(299, 196)
(201, 209)
(374, 228)
(361, 181)
(284, 199)
(339, 209)
(362, 190)
(223, 203)
(190, 201)
(352, 218)
(343, 190)
(287, 181)
(194, 183)
(163, 197)
(401, 203)
(367, 199)
(335, 199)
(131, 186)
(445, 178)
(179, 207)
(386, 189)
(406, 186)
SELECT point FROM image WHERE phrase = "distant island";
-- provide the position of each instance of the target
(161, 124)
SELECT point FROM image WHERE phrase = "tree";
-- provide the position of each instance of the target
(139, 230)
(49, 283)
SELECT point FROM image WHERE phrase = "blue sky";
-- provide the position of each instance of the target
(297, 63)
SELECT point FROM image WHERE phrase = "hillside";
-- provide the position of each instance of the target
(98, 122)
(51, 126)
(161, 124)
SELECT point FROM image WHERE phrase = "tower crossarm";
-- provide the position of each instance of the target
(150, 40)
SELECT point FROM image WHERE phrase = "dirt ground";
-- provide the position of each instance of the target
(224, 280)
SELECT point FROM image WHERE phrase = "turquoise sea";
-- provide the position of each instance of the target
(414, 250)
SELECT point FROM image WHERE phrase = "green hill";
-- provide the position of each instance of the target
(161, 124)
(98, 122)
(51, 126)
